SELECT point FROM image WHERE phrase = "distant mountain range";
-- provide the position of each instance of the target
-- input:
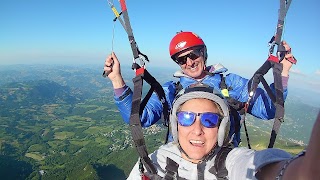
(39, 92)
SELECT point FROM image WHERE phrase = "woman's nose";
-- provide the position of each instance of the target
(197, 127)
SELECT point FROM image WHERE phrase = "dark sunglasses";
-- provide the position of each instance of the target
(193, 55)
(207, 119)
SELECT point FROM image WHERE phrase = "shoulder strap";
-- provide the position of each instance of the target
(236, 108)
(171, 169)
(235, 104)
(171, 172)
(219, 169)
(137, 107)
(178, 87)
(223, 86)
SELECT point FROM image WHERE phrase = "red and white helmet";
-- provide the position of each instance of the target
(184, 40)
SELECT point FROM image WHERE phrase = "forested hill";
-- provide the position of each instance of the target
(60, 122)
(39, 92)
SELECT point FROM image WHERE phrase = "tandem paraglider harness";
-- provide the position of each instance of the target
(138, 105)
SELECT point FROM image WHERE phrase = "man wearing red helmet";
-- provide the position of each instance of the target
(189, 51)
(188, 45)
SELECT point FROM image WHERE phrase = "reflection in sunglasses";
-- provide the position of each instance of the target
(193, 55)
(207, 119)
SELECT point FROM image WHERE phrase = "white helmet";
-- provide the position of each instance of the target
(202, 91)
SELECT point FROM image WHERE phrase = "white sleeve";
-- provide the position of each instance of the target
(135, 173)
(244, 163)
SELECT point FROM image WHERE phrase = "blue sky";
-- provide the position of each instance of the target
(236, 32)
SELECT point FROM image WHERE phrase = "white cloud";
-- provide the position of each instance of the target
(317, 72)
(296, 71)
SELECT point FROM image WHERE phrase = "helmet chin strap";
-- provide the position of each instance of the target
(205, 158)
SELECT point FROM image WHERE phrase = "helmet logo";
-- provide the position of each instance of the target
(180, 45)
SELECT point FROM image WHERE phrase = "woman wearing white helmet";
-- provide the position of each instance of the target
(200, 125)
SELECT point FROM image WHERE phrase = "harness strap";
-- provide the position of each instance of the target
(219, 169)
(136, 110)
(277, 69)
(135, 126)
(171, 170)
(129, 29)
(201, 168)
(137, 105)
(267, 87)
(274, 63)
(236, 118)
(279, 116)
(237, 105)
(156, 87)
(278, 99)
(284, 7)
(253, 85)
(223, 86)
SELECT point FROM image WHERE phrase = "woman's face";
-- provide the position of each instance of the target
(197, 140)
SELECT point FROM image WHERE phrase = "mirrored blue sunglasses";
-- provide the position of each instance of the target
(207, 119)
(193, 55)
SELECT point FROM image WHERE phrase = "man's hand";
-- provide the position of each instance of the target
(112, 70)
(286, 62)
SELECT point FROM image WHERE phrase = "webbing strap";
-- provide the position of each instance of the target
(276, 39)
(135, 126)
(277, 69)
(219, 169)
(258, 77)
(129, 29)
(274, 63)
(171, 170)
(277, 99)
(267, 88)
(137, 105)
(156, 87)
(137, 109)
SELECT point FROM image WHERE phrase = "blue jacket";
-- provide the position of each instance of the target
(260, 106)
